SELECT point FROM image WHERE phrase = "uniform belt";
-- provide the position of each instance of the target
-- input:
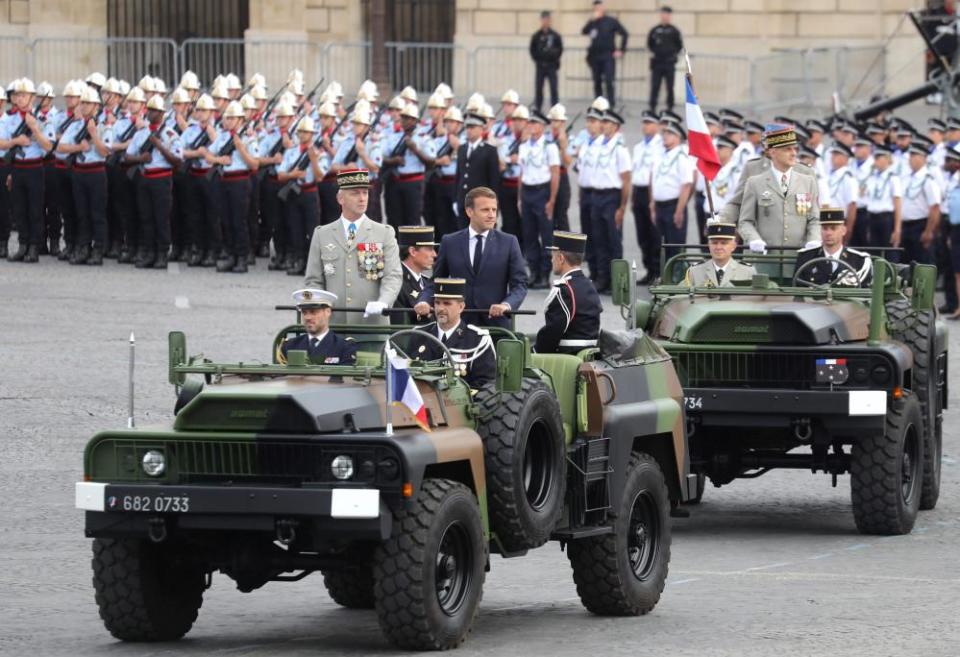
(410, 177)
(312, 187)
(60, 164)
(907, 221)
(540, 186)
(578, 343)
(563, 169)
(446, 180)
(607, 190)
(198, 172)
(33, 163)
(89, 167)
(663, 204)
(153, 174)
(330, 177)
(127, 165)
(511, 182)
(236, 175)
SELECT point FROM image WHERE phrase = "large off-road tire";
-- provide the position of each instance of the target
(886, 473)
(146, 591)
(428, 577)
(918, 331)
(350, 587)
(525, 456)
(623, 573)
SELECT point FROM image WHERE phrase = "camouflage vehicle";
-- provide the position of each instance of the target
(779, 373)
(271, 472)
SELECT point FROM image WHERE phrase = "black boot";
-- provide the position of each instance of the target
(208, 260)
(32, 254)
(54, 247)
(227, 264)
(126, 256)
(263, 251)
(297, 268)
(161, 261)
(96, 256)
(4, 252)
(80, 255)
(113, 252)
(196, 257)
(66, 253)
(176, 254)
(18, 255)
(145, 260)
(240, 267)
(251, 259)
(42, 249)
(276, 263)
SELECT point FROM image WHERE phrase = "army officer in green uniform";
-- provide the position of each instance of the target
(780, 206)
(721, 269)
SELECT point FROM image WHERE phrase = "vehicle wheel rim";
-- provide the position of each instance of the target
(454, 568)
(538, 466)
(643, 535)
(910, 465)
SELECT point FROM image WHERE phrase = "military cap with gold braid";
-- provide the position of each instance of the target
(353, 179)
(415, 236)
(449, 288)
(721, 230)
(569, 242)
(778, 135)
(831, 216)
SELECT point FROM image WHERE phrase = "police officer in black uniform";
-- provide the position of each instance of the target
(572, 315)
(664, 42)
(471, 347)
(419, 252)
(832, 231)
(478, 164)
(603, 52)
(323, 346)
(546, 48)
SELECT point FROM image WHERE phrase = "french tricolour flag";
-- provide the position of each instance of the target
(831, 361)
(701, 144)
(404, 391)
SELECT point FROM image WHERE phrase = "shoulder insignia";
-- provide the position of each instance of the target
(807, 248)
(478, 330)
(862, 254)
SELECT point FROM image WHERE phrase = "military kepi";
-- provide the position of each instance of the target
(353, 179)
(449, 288)
(314, 298)
(831, 216)
(569, 242)
(721, 230)
(778, 135)
(415, 236)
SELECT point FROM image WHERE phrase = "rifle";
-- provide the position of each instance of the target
(309, 97)
(145, 147)
(272, 103)
(61, 130)
(352, 153)
(116, 156)
(83, 134)
(203, 139)
(22, 130)
(228, 149)
(291, 187)
(571, 124)
(398, 150)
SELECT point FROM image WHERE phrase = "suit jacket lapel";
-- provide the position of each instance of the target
(466, 253)
(338, 235)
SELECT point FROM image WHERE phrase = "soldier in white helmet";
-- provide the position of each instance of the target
(274, 142)
(408, 155)
(362, 150)
(508, 105)
(559, 134)
(157, 150)
(59, 180)
(303, 164)
(203, 205)
(123, 192)
(444, 176)
(4, 196)
(509, 151)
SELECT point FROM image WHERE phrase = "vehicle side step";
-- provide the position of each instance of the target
(580, 532)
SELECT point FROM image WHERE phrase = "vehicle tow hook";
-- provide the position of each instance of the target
(286, 531)
(802, 430)
(157, 530)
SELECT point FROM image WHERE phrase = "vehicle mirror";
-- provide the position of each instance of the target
(297, 358)
(176, 355)
(924, 282)
(511, 356)
(620, 282)
(643, 309)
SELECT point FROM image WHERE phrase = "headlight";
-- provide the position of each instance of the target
(342, 467)
(154, 463)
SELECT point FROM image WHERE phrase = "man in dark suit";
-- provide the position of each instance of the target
(478, 164)
(323, 346)
(832, 231)
(489, 260)
(419, 252)
(471, 347)
(572, 317)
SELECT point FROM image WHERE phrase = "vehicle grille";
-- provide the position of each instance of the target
(747, 370)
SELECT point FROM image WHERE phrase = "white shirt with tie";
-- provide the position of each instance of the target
(472, 146)
(782, 176)
(356, 224)
(445, 335)
(315, 340)
(472, 244)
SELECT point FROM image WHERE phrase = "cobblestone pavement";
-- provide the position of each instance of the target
(764, 566)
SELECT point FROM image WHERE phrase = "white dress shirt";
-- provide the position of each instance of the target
(644, 153)
(920, 193)
(441, 333)
(612, 163)
(670, 172)
(346, 225)
(882, 188)
(536, 159)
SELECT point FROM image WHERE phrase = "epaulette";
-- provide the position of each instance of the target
(862, 254)
(807, 248)
(478, 330)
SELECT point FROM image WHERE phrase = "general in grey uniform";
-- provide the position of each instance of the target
(721, 270)
(780, 205)
(356, 258)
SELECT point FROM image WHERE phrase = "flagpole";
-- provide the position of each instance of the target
(713, 213)
(387, 388)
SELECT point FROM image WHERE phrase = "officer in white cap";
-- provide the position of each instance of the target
(323, 346)
(157, 149)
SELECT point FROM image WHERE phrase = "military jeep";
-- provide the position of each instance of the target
(780, 373)
(270, 472)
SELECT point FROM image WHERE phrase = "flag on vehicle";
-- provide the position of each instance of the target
(404, 391)
(699, 139)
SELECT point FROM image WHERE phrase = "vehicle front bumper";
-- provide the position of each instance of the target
(355, 512)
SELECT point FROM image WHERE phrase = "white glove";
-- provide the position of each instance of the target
(374, 308)
(813, 244)
(758, 246)
(455, 208)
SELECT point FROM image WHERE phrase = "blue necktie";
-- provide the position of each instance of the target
(352, 231)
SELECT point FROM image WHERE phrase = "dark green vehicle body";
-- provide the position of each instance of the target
(748, 357)
(249, 457)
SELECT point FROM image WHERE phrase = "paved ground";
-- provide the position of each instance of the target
(763, 566)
